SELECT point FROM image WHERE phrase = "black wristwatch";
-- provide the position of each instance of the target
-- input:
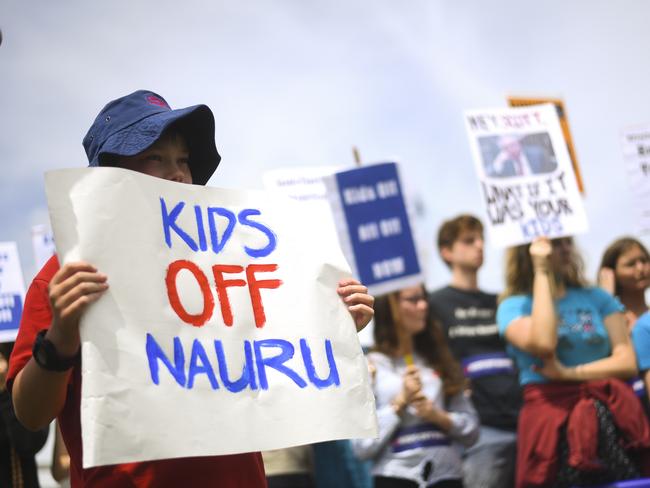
(47, 357)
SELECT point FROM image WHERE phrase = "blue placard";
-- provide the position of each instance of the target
(379, 232)
(11, 308)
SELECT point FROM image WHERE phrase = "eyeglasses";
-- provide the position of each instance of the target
(414, 300)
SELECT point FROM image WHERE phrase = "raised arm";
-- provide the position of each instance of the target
(39, 394)
(536, 334)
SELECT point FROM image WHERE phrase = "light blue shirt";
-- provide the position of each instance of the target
(641, 340)
(582, 337)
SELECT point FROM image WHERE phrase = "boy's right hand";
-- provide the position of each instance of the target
(74, 287)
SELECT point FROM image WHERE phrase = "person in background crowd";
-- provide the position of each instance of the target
(421, 403)
(579, 424)
(139, 132)
(321, 465)
(468, 316)
(60, 467)
(625, 273)
(18, 446)
(291, 467)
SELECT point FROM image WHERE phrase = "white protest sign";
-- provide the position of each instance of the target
(636, 153)
(12, 291)
(43, 244)
(525, 173)
(221, 331)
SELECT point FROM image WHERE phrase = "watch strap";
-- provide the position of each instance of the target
(47, 357)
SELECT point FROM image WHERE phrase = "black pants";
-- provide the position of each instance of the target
(290, 481)
(385, 482)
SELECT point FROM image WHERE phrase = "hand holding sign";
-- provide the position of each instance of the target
(72, 289)
(540, 252)
(358, 301)
(217, 297)
(527, 180)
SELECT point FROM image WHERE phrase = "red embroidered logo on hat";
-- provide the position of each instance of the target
(154, 100)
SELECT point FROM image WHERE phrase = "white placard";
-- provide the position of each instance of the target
(12, 291)
(221, 331)
(527, 181)
(636, 153)
(43, 244)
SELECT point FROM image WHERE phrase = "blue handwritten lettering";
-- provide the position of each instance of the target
(268, 249)
(276, 362)
(332, 379)
(155, 353)
(214, 236)
(199, 356)
(203, 245)
(169, 224)
(248, 373)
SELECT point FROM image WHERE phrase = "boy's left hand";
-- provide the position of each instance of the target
(359, 303)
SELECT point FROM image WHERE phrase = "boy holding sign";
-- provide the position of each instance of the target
(142, 133)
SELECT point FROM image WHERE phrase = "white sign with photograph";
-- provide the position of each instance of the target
(527, 181)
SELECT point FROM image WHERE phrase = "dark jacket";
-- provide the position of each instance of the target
(18, 447)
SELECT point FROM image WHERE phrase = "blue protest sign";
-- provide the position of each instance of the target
(12, 291)
(374, 229)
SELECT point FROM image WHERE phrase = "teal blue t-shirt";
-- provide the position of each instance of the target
(582, 337)
(641, 340)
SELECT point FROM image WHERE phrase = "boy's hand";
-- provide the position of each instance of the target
(72, 289)
(359, 303)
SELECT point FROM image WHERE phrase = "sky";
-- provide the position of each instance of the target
(300, 83)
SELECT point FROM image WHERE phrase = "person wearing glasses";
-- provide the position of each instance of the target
(419, 389)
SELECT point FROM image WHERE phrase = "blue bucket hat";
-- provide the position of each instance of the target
(129, 125)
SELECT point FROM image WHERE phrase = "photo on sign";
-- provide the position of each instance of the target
(510, 154)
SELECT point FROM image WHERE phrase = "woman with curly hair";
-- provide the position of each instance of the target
(421, 404)
(579, 424)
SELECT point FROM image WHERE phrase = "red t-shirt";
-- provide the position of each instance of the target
(235, 471)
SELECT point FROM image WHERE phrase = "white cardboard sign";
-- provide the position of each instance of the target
(527, 181)
(221, 331)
